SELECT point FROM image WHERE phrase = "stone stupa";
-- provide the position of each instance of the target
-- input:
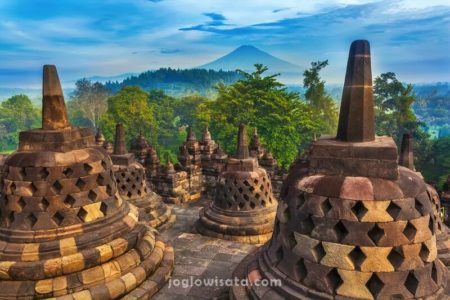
(358, 226)
(406, 159)
(132, 184)
(243, 208)
(64, 230)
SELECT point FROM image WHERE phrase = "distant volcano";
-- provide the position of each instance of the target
(246, 56)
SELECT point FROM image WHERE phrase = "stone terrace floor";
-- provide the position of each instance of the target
(199, 257)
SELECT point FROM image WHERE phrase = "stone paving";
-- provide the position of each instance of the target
(199, 257)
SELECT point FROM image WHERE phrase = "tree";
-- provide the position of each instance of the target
(394, 115)
(323, 106)
(437, 168)
(88, 103)
(131, 108)
(283, 121)
(17, 114)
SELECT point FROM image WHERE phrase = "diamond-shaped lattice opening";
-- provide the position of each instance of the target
(325, 206)
(133, 187)
(92, 195)
(375, 285)
(434, 274)
(393, 210)
(21, 203)
(252, 204)
(139, 192)
(80, 184)
(123, 175)
(32, 219)
(431, 224)
(411, 283)
(58, 218)
(263, 203)
(246, 183)
(45, 204)
(129, 194)
(333, 279)
(251, 189)
(246, 197)
(57, 186)
(123, 187)
(82, 214)
(87, 168)
(318, 252)
(376, 233)
(33, 188)
(100, 179)
(410, 231)
(396, 257)
(306, 225)
(240, 190)
(128, 180)
(358, 257)
(424, 252)
(69, 200)
(418, 206)
(133, 174)
(43, 173)
(104, 165)
(340, 230)
(241, 205)
(300, 269)
(103, 208)
(257, 196)
(359, 209)
(67, 172)
(230, 188)
(109, 190)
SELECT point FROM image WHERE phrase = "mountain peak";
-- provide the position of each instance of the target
(246, 56)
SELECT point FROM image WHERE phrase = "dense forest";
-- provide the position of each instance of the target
(287, 121)
(178, 82)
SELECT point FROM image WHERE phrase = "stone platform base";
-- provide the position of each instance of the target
(248, 239)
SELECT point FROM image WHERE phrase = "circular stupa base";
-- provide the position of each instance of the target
(244, 227)
(131, 260)
(153, 211)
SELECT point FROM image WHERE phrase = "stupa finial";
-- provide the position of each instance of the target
(54, 112)
(357, 116)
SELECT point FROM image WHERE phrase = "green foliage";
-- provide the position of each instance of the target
(131, 108)
(323, 106)
(437, 167)
(394, 114)
(16, 114)
(283, 121)
(178, 82)
(87, 103)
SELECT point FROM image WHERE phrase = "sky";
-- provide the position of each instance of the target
(110, 37)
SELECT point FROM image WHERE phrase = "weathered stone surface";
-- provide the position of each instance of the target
(64, 229)
(352, 223)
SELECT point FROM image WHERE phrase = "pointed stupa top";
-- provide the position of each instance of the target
(119, 142)
(242, 146)
(170, 168)
(54, 112)
(206, 135)
(99, 137)
(356, 118)
(406, 158)
(191, 135)
(255, 142)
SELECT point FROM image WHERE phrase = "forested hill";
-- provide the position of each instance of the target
(178, 82)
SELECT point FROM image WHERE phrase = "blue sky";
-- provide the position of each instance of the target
(86, 38)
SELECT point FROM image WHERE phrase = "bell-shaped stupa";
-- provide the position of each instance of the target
(243, 208)
(65, 232)
(133, 187)
(358, 226)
